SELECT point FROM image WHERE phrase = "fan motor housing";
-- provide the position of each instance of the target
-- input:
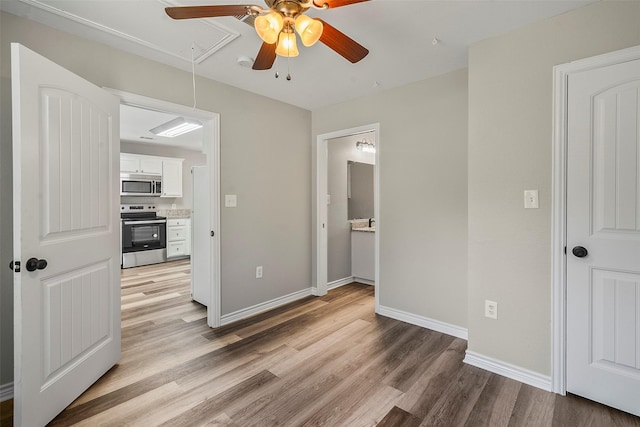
(287, 8)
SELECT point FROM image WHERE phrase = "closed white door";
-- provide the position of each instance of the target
(66, 235)
(603, 235)
(201, 236)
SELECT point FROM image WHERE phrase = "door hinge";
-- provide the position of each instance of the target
(565, 250)
(212, 233)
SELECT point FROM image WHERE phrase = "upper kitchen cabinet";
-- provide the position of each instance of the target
(172, 177)
(170, 168)
(140, 164)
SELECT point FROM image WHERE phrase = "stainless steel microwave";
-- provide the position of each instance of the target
(135, 184)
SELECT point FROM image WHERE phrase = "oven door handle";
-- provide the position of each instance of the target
(157, 221)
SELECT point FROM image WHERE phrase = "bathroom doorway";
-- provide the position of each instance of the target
(345, 161)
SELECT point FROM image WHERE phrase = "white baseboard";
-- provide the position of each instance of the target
(340, 282)
(425, 322)
(264, 306)
(364, 281)
(507, 370)
(6, 391)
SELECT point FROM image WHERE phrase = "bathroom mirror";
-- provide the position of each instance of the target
(359, 190)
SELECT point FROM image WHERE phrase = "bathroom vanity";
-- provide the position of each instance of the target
(363, 254)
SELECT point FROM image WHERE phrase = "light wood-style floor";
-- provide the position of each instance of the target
(326, 361)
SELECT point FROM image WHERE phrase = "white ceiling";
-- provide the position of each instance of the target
(398, 33)
(135, 124)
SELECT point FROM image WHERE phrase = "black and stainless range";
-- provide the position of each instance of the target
(144, 235)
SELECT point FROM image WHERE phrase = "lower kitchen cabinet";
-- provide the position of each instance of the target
(178, 237)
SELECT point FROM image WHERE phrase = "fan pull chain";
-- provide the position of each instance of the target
(277, 73)
(193, 77)
(288, 60)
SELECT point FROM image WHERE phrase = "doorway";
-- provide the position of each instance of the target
(595, 249)
(210, 148)
(323, 200)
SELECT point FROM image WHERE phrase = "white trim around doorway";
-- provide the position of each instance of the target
(559, 199)
(321, 285)
(211, 148)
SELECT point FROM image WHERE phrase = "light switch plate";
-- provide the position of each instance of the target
(230, 201)
(531, 199)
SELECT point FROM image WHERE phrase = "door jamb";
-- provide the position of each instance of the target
(321, 206)
(211, 147)
(559, 202)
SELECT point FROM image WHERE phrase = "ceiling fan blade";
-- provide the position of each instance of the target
(187, 12)
(266, 57)
(335, 3)
(344, 45)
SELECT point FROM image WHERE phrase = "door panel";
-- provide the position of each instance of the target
(615, 334)
(65, 176)
(76, 322)
(617, 193)
(74, 133)
(603, 215)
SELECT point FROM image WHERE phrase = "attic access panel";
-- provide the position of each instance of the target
(145, 24)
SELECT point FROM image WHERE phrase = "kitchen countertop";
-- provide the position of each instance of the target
(175, 213)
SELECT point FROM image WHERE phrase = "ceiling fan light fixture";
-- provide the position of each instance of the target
(309, 29)
(175, 127)
(269, 26)
(287, 45)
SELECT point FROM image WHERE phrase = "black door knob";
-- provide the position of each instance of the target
(579, 251)
(34, 264)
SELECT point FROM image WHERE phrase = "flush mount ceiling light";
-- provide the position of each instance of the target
(175, 127)
(366, 146)
(277, 26)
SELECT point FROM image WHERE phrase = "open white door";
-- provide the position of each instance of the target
(65, 171)
(603, 235)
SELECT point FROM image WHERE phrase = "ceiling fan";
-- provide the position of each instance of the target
(278, 24)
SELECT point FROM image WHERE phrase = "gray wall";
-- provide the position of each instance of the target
(191, 158)
(423, 191)
(510, 127)
(339, 151)
(267, 168)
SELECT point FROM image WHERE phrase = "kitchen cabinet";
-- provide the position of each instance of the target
(170, 168)
(178, 237)
(171, 177)
(140, 164)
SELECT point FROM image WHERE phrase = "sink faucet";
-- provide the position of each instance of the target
(371, 221)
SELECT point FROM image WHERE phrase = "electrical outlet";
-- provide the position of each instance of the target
(490, 309)
(531, 199)
(259, 272)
